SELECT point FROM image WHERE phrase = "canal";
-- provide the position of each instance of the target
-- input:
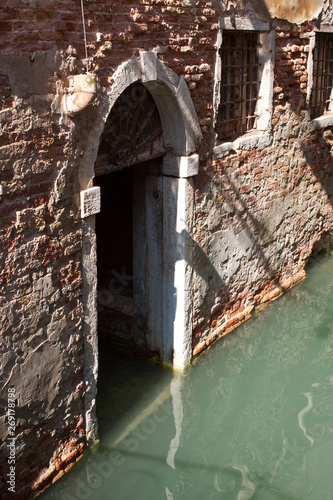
(252, 419)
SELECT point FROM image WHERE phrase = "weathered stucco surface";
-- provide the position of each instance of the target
(239, 219)
(296, 11)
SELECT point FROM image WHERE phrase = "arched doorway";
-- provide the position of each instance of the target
(129, 228)
(172, 187)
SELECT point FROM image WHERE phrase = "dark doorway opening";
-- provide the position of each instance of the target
(129, 233)
(117, 319)
(129, 229)
(114, 229)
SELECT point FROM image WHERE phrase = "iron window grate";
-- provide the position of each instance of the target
(322, 74)
(239, 83)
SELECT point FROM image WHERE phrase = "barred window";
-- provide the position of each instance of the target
(320, 101)
(239, 83)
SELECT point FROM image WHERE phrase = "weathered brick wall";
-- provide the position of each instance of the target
(41, 310)
(257, 212)
(263, 209)
(41, 305)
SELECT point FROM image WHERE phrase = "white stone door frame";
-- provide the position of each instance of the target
(182, 137)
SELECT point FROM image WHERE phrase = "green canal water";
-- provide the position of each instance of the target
(252, 419)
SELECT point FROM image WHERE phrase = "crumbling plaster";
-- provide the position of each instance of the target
(295, 11)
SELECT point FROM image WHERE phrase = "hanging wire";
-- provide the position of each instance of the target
(85, 36)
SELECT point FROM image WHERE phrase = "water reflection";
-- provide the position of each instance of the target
(301, 414)
(251, 420)
(177, 405)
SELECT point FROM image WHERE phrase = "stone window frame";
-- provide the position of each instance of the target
(259, 137)
(326, 119)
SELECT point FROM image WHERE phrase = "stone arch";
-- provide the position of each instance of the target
(182, 137)
(181, 129)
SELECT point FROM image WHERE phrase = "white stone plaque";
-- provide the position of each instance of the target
(90, 201)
